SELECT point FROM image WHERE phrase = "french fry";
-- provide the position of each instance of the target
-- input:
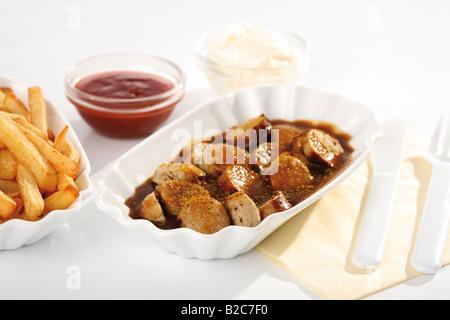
(13, 105)
(13, 116)
(24, 123)
(60, 139)
(66, 183)
(19, 206)
(66, 147)
(7, 206)
(32, 199)
(2, 98)
(66, 195)
(50, 134)
(37, 169)
(13, 195)
(6, 90)
(59, 200)
(8, 165)
(9, 186)
(72, 152)
(38, 108)
(20, 119)
(59, 161)
(26, 153)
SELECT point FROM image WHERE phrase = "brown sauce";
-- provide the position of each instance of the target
(265, 192)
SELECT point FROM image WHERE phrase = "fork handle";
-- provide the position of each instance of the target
(433, 229)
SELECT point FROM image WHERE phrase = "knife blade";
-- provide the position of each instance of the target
(386, 159)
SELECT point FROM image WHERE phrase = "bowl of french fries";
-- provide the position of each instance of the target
(44, 171)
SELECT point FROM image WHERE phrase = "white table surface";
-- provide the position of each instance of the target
(392, 55)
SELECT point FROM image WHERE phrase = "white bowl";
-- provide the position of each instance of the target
(289, 102)
(16, 233)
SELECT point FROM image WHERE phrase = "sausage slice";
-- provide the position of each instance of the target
(178, 171)
(249, 133)
(217, 157)
(242, 210)
(151, 209)
(318, 147)
(278, 203)
(288, 173)
(285, 134)
(266, 153)
(238, 178)
(175, 194)
(204, 214)
(191, 154)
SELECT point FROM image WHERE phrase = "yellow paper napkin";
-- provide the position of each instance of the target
(317, 244)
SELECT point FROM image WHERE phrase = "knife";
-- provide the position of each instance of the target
(386, 159)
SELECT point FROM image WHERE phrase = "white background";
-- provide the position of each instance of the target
(392, 55)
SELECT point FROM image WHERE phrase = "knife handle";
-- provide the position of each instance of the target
(372, 234)
(433, 229)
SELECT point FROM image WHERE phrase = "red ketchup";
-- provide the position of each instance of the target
(120, 102)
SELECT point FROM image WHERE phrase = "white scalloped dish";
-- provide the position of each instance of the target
(287, 102)
(16, 233)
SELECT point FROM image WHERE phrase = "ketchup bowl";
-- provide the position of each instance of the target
(125, 95)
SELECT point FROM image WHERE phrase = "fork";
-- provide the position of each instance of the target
(431, 238)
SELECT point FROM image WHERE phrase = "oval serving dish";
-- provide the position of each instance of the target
(288, 102)
(16, 233)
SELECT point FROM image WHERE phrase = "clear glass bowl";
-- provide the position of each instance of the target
(119, 117)
(225, 78)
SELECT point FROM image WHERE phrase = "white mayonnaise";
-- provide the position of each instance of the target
(244, 55)
(250, 46)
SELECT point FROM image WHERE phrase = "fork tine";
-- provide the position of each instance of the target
(446, 139)
(434, 143)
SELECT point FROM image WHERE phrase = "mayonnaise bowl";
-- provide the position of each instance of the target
(244, 55)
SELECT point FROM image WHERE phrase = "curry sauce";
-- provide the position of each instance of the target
(263, 191)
